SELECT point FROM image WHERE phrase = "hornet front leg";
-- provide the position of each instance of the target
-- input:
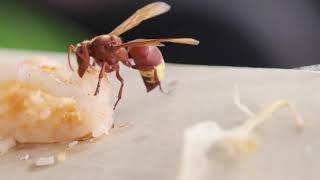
(118, 76)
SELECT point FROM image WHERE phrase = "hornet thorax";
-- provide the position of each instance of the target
(102, 49)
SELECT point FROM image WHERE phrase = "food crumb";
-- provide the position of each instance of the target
(73, 143)
(44, 161)
(61, 157)
(237, 102)
(25, 157)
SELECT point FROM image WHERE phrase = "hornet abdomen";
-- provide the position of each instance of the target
(149, 61)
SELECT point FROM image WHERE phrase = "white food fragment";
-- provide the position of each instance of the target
(25, 157)
(61, 157)
(97, 134)
(6, 144)
(73, 143)
(100, 130)
(45, 161)
(37, 109)
(37, 98)
(237, 102)
(207, 136)
(197, 140)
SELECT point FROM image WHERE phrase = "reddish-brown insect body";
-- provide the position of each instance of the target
(146, 57)
(148, 60)
(102, 50)
(108, 50)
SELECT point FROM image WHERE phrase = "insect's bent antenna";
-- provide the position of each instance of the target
(71, 49)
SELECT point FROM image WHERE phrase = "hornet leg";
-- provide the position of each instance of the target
(121, 87)
(102, 71)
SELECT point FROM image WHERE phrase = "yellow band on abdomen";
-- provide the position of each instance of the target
(149, 75)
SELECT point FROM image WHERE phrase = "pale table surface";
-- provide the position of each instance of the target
(150, 148)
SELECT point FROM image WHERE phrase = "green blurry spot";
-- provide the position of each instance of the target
(23, 28)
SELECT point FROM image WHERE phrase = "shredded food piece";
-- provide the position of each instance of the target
(73, 143)
(236, 101)
(200, 138)
(44, 161)
(25, 157)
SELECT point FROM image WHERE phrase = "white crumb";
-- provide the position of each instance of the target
(237, 102)
(61, 157)
(25, 157)
(99, 131)
(73, 143)
(44, 161)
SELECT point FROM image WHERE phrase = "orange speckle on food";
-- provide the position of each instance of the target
(48, 69)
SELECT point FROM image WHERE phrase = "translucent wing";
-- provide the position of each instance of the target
(158, 42)
(147, 12)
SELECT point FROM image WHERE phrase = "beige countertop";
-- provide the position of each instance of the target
(150, 148)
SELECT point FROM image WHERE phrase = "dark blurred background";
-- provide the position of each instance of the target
(264, 33)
